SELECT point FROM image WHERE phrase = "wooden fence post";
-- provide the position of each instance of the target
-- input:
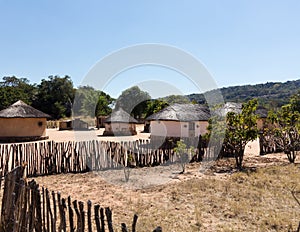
(102, 220)
(135, 218)
(71, 215)
(124, 227)
(109, 219)
(62, 207)
(89, 216)
(82, 215)
(97, 218)
(12, 187)
(79, 225)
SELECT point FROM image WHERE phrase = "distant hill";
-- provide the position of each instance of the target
(270, 94)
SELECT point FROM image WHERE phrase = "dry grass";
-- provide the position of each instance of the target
(257, 200)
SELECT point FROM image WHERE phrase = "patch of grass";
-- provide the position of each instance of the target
(256, 201)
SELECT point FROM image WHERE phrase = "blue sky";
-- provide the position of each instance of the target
(239, 42)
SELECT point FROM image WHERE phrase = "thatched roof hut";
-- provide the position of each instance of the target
(180, 120)
(21, 122)
(120, 123)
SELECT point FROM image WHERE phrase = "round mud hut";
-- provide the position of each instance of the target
(120, 123)
(21, 122)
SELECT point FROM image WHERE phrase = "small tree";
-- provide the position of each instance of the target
(284, 130)
(241, 128)
(181, 150)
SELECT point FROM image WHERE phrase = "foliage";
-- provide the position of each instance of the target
(237, 129)
(13, 89)
(154, 106)
(284, 128)
(91, 102)
(241, 129)
(85, 101)
(133, 101)
(182, 151)
(216, 133)
(295, 102)
(103, 105)
(55, 96)
(271, 95)
(172, 99)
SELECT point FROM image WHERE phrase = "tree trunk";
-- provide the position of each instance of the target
(239, 155)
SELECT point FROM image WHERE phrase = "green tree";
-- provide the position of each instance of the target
(13, 89)
(295, 102)
(172, 99)
(237, 129)
(91, 102)
(181, 151)
(154, 106)
(133, 101)
(240, 129)
(284, 129)
(55, 96)
(85, 101)
(103, 105)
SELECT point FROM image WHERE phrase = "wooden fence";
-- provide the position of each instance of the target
(49, 157)
(27, 208)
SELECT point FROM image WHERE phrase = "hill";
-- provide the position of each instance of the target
(270, 94)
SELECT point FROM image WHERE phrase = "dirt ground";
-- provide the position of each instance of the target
(93, 134)
(210, 197)
(192, 201)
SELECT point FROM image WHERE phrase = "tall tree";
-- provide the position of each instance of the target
(55, 96)
(13, 89)
(103, 107)
(133, 101)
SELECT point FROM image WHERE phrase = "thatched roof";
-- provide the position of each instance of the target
(182, 112)
(21, 110)
(120, 116)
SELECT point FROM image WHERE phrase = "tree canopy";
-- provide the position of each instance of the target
(284, 128)
(237, 129)
(133, 101)
(55, 96)
(91, 102)
(14, 89)
(271, 95)
(154, 106)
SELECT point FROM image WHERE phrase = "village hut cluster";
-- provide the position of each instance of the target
(21, 122)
